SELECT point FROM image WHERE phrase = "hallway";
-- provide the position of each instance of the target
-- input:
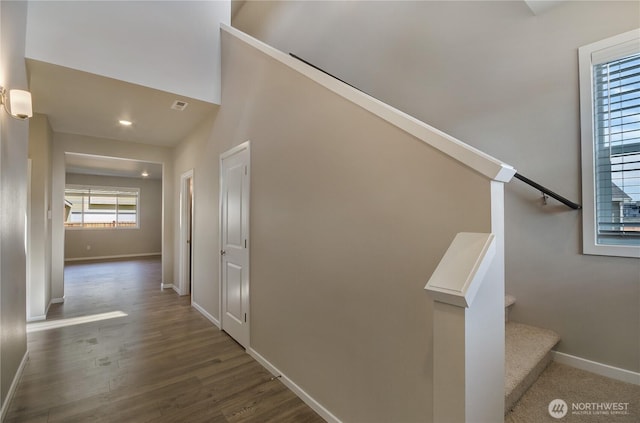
(161, 362)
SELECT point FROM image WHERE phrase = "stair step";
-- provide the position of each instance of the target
(527, 354)
(509, 300)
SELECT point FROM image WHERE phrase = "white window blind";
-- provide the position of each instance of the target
(616, 127)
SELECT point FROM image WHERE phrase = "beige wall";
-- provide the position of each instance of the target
(14, 141)
(506, 81)
(39, 284)
(349, 217)
(147, 239)
(199, 152)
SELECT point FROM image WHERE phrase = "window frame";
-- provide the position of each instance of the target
(136, 190)
(607, 50)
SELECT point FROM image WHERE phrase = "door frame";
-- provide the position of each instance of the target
(29, 251)
(244, 146)
(186, 260)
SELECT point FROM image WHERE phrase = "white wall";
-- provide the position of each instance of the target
(104, 243)
(14, 141)
(40, 147)
(179, 41)
(505, 81)
(110, 148)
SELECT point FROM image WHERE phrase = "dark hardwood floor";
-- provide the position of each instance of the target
(163, 362)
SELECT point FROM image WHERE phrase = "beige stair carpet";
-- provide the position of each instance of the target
(575, 386)
(509, 300)
(527, 354)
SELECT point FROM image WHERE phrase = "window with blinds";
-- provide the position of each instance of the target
(101, 207)
(610, 114)
(616, 87)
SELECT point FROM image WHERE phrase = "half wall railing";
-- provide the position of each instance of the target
(468, 340)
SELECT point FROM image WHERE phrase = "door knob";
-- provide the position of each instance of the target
(223, 252)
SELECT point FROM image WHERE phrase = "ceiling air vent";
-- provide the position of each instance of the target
(179, 105)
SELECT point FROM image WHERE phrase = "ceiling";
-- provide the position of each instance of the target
(86, 164)
(169, 45)
(83, 103)
(132, 61)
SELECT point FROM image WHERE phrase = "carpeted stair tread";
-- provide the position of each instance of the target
(509, 300)
(575, 386)
(526, 356)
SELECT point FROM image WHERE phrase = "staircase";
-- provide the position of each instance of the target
(527, 354)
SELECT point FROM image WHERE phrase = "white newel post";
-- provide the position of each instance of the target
(468, 332)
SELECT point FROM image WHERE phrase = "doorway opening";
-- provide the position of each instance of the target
(186, 233)
(113, 211)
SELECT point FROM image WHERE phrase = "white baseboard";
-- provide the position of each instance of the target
(205, 313)
(56, 301)
(315, 405)
(598, 368)
(166, 286)
(14, 385)
(44, 316)
(120, 256)
(175, 288)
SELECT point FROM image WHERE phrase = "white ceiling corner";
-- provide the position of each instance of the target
(167, 45)
(92, 63)
(541, 6)
(236, 5)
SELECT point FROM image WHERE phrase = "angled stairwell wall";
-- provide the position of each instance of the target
(350, 215)
(497, 76)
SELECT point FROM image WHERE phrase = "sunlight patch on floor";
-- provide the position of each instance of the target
(53, 324)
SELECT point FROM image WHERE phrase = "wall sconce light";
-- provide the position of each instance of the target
(19, 103)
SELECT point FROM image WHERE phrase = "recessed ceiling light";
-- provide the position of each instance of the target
(145, 174)
(125, 122)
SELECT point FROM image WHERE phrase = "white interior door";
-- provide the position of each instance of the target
(234, 243)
